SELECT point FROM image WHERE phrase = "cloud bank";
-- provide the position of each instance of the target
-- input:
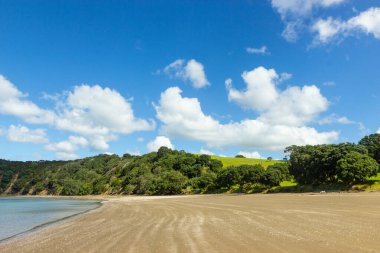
(183, 117)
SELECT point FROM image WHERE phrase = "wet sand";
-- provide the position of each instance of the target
(216, 223)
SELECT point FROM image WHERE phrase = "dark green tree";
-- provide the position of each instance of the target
(355, 167)
(372, 143)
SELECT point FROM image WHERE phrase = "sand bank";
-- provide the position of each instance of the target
(216, 223)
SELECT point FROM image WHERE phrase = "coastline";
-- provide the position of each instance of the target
(100, 202)
(214, 223)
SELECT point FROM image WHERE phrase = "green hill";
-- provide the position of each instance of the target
(157, 173)
(236, 161)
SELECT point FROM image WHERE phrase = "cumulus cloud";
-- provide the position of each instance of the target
(183, 117)
(294, 13)
(378, 131)
(192, 71)
(262, 50)
(99, 114)
(261, 90)
(253, 154)
(294, 106)
(14, 102)
(23, 134)
(97, 110)
(331, 29)
(94, 113)
(159, 141)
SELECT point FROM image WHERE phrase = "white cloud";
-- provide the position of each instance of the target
(301, 8)
(333, 118)
(68, 146)
(253, 154)
(65, 150)
(183, 117)
(378, 131)
(192, 71)
(160, 141)
(97, 114)
(23, 134)
(262, 50)
(205, 152)
(331, 29)
(295, 106)
(294, 13)
(261, 91)
(13, 102)
(97, 110)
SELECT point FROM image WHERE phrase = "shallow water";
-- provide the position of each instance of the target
(18, 215)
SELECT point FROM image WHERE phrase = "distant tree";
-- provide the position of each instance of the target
(372, 143)
(269, 158)
(356, 167)
(163, 151)
(239, 156)
(204, 160)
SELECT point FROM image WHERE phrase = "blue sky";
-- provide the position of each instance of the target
(78, 78)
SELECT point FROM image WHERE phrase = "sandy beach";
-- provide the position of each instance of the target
(216, 223)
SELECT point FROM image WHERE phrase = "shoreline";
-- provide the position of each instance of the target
(21, 235)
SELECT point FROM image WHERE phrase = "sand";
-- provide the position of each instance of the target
(216, 223)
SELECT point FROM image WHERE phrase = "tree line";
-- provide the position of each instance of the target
(177, 172)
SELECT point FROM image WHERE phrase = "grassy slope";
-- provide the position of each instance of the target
(373, 183)
(230, 161)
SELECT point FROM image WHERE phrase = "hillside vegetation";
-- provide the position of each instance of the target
(343, 166)
(157, 173)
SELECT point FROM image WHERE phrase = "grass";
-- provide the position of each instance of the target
(288, 183)
(372, 184)
(233, 161)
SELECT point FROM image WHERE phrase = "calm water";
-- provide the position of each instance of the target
(21, 214)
